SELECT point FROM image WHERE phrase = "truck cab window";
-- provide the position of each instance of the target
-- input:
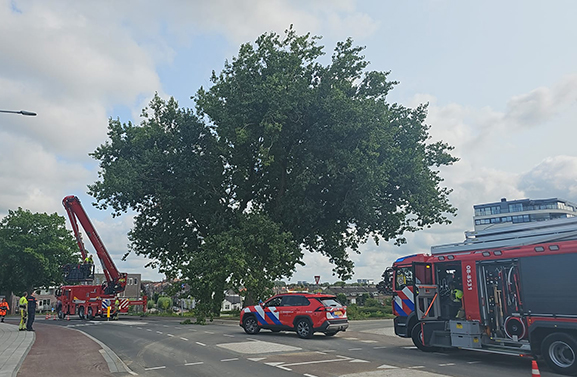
(403, 277)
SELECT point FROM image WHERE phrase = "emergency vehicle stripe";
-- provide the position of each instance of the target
(399, 308)
(407, 291)
(273, 317)
(260, 316)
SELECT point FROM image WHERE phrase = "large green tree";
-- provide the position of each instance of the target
(33, 248)
(311, 152)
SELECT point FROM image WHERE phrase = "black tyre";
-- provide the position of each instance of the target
(60, 314)
(560, 352)
(81, 312)
(331, 333)
(417, 336)
(90, 314)
(304, 328)
(250, 325)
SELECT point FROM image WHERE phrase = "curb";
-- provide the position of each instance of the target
(115, 364)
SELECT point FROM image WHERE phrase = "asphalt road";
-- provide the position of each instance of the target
(164, 347)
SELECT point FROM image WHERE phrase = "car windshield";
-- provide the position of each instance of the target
(330, 302)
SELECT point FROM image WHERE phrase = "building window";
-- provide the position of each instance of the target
(515, 207)
(135, 281)
(129, 281)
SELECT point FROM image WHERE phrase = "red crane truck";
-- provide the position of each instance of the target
(85, 300)
(509, 290)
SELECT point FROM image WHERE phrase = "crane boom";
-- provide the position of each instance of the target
(77, 214)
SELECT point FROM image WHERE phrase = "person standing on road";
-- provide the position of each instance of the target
(23, 305)
(4, 307)
(31, 311)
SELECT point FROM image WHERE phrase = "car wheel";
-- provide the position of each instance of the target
(560, 352)
(304, 328)
(417, 336)
(331, 333)
(250, 325)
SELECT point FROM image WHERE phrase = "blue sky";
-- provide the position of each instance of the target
(500, 79)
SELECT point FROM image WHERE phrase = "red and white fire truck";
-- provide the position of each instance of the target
(83, 299)
(510, 290)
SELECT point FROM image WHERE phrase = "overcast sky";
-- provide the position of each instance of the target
(500, 78)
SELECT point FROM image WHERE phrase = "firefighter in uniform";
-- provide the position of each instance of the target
(23, 306)
(116, 308)
(4, 307)
(457, 297)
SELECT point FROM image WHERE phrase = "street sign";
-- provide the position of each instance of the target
(317, 279)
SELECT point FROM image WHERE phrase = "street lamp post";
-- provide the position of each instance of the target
(21, 112)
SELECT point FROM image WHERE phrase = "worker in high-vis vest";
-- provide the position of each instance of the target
(116, 308)
(23, 306)
(4, 307)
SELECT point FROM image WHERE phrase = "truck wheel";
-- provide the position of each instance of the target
(304, 328)
(81, 312)
(90, 315)
(560, 352)
(250, 325)
(417, 336)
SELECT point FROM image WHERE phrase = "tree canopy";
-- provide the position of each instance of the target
(281, 154)
(33, 248)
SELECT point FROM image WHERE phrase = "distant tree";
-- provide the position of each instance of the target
(33, 249)
(372, 302)
(342, 298)
(281, 153)
(340, 284)
(164, 302)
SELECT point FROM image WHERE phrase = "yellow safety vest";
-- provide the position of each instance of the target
(23, 302)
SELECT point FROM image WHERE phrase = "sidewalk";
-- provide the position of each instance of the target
(14, 346)
(56, 351)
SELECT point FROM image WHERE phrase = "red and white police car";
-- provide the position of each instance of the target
(305, 313)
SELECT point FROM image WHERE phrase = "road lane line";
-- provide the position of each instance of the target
(379, 347)
(473, 362)
(140, 328)
(209, 332)
(201, 344)
(355, 349)
(233, 359)
(159, 332)
(314, 362)
(197, 363)
(309, 375)
(446, 365)
(169, 335)
(417, 367)
(228, 335)
(148, 330)
(183, 338)
(154, 368)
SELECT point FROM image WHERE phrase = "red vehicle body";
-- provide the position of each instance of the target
(305, 313)
(89, 301)
(518, 299)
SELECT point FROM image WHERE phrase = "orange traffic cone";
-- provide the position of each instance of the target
(68, 317)
(47, 316)
(535, 369)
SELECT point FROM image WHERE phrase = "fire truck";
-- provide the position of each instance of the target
(84, 299)
(509, 290)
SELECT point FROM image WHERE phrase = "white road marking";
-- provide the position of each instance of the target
(159, 332)
(417, 367)
(351, 338)
(154, 368)
(385, 366)
(379, 347)
(369, 341)
(183, 338)
(197, 363)
(359, 361)
(446, 365)
(257, 347)
(410, 348)
(474, 362)
(209, 332)
(165, 325)
(201, 344)
(309, 375)
(341, 358)
(256, 358)
(169, 335)
(355, 349)
(140, 328)
(148, 330)
(228, 335)
(275, 363)
(233, 359)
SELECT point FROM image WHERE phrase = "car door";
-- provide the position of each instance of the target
(288, 310)
(269, 313)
